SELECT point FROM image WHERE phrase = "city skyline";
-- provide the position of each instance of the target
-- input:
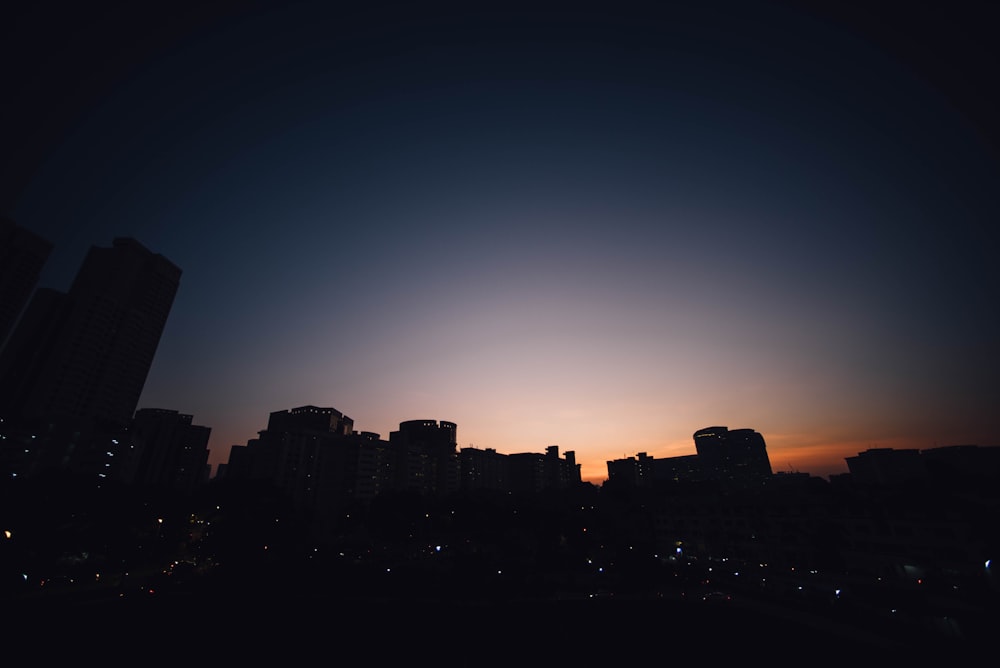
(222, 458)
(587, 228)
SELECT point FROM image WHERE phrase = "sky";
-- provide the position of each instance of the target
(596, 226)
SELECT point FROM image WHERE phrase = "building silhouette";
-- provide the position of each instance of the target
(74, 368)
(960, 466)
(313, 456)
(322, 465)
(730, 457)
(22, 256)
(296, 452)
(424, 456)
(163, 449)
(316, 457)
(483, 470)
(522, 473)
(532, 472)
(86, 353)
(886, 466)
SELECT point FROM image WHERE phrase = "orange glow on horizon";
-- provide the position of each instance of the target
(788, 452)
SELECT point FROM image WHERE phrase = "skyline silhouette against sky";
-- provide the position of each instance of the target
(596, 227)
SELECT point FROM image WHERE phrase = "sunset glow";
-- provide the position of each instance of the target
(602, 234)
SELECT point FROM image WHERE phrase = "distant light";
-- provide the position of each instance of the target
(6, 533)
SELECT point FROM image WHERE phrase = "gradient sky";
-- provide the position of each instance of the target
(601, 227)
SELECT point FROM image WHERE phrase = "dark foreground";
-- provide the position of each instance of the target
(202, 629)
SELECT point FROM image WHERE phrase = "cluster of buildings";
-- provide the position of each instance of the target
(735, 457)
(322, 463)
(896, 519)
(73, 365)
(899, 520)
(72, 369)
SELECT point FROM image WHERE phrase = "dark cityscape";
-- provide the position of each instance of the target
(499, 333)
(113, 522)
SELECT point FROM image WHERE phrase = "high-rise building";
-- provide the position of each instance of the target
(425, 456)
(316, 458)
(85, 354)
(73, 369)
(732, 455)
(886, 466)
(531, 472)
(483, 469)
(22, 256)
(323, 420)
(164, 449)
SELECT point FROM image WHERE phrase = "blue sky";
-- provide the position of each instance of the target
(601, 227)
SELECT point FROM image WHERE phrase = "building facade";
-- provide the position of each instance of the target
(731, 457)
(23, 254)
(425, 456)
(73, 369)
(85, 354)
(162, 448)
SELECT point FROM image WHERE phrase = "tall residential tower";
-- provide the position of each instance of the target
(85, 354)
(22, 256)
(73, 369)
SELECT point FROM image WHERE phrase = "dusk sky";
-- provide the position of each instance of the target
(597, 226)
